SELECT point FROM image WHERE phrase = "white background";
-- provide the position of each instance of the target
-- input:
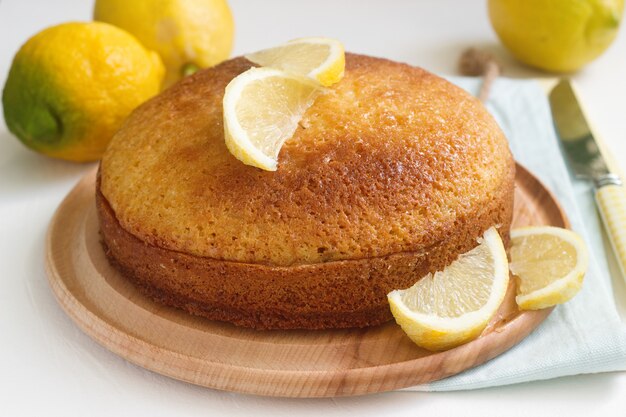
(48, 367)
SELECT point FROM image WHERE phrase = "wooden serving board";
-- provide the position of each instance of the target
(278, 363)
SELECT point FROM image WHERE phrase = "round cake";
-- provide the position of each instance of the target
(390, 175)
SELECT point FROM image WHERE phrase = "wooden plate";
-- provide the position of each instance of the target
(278, 363)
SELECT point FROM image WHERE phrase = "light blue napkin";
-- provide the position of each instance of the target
(586, 334)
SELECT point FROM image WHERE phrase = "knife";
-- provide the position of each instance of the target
(587, 162)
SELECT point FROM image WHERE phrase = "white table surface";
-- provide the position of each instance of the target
(48, 367)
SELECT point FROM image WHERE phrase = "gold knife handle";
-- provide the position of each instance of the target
(611, 199)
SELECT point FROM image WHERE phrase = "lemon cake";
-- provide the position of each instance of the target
(391, 174)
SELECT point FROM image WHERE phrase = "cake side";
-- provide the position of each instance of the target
(336, 294)
(391, 160)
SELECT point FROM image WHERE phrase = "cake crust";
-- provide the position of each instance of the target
(337, 294)
(385, 162)
(391, 174)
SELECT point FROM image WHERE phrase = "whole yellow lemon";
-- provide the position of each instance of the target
(187, 34)
(556, 35)
(71, 86)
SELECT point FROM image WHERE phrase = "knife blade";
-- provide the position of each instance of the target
(578, 141)
(586, 160)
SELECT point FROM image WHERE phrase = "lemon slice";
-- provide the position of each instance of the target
(550, 264)
(262, 108)
(450, 307)
(322, 59)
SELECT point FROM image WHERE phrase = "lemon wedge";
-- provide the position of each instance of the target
(321, 59)
(550, 264)
(453, 306)
(262, 108)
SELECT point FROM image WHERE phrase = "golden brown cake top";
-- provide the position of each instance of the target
(387, 161)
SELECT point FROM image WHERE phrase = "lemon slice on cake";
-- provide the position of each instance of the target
(453, 306)
(321, 59)
(262, 108)
(550, 264)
